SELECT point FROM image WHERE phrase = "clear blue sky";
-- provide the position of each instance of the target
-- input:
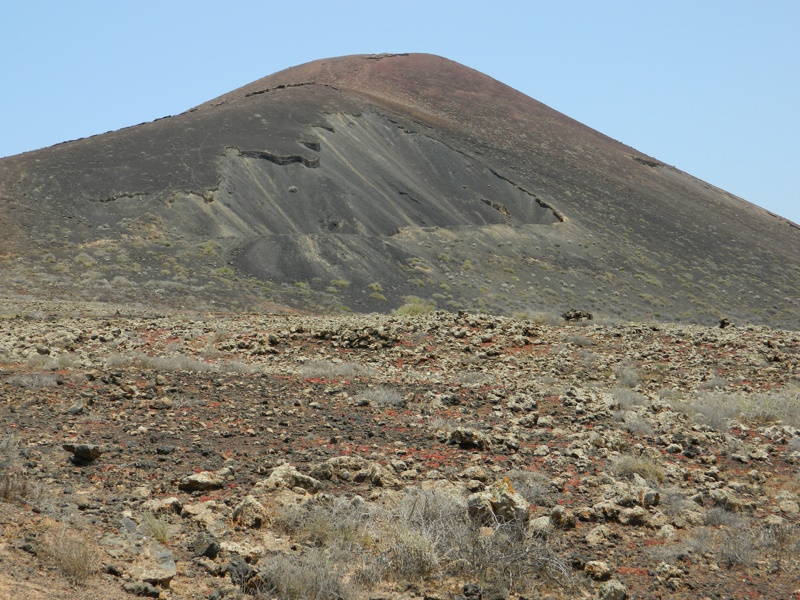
(712, 87)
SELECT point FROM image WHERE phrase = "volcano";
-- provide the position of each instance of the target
(376, 182)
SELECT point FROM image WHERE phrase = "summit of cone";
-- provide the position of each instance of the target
(373, 182)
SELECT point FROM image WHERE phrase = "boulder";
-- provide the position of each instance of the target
(156, 505)
(789, 507)
(562, 518)
(249, 513)
(633, 516)
(339, 467)
(239, 571)
(211, 515)
(612, 590)
(598, 570)
(162, 403)
(356, 469)
(501, 503)
(598, 535)
(205, 544)
(467, 437)
(376, 475)
(205, 481)
(577, 315)
(287, 476)
(541, 526)
(83, 452)
(155, 565)
(141, 589)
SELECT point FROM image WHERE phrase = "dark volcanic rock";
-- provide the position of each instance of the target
(83, 452)
(205, 544)
(141, 588)
(239, 570)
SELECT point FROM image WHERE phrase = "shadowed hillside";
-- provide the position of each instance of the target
(359, 182)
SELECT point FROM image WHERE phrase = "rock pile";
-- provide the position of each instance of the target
(636, 460)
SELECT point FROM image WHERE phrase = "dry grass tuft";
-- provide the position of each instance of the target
(9, 450)
(237, 366)
(330, 370)
(383, 396)
(340, 524)
(156, 528)
(776, 406)
(578, 340)
(634, 423)
(718, 516)
(533, 485)
(781, 542)
(627, 465)
(12, 486)
(711, 409)
(420, 536)
(627, 399)
(674, 502)
(314, 576)
(737, 547)
(627, 376)
(72, 554)
(33, 380)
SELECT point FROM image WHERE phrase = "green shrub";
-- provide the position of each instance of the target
(415, 306)
(85, 260)
(210, 248)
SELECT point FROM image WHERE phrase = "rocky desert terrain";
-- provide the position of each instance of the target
(439, 456)
(307, 340)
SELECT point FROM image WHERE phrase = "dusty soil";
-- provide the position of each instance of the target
(661, 458)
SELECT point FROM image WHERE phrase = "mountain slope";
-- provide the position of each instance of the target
(359, 181)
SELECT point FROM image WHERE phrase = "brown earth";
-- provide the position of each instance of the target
(662, 458)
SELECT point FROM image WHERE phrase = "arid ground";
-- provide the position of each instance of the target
(440, 455)
(305, 341)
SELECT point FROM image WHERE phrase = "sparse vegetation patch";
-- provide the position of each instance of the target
(344, 456)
